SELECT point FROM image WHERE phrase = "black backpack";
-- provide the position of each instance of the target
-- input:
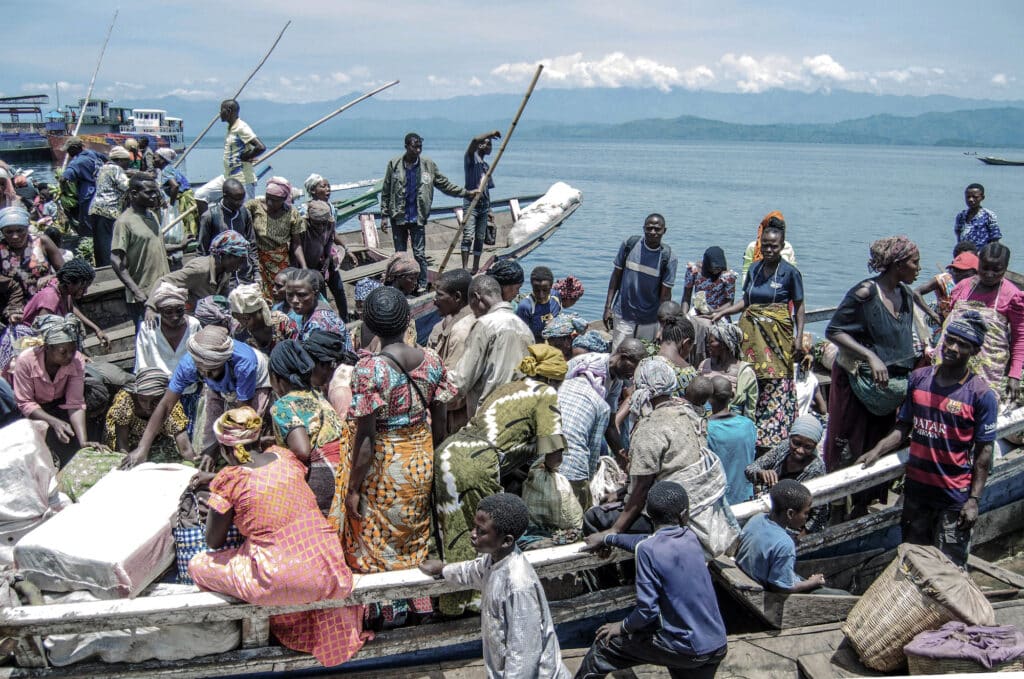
(666, 253)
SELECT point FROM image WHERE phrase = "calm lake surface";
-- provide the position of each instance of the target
(836, 198)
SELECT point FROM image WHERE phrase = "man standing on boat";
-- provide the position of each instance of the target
(645, 271)
(229, 214)
(241, 145)
(976, 224)
(407, 196)
(474, 231)
(950, 418)
(83, 167)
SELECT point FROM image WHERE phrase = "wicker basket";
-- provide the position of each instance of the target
(889, 615)
(920, 665)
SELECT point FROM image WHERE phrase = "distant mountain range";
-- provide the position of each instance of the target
(837, 116)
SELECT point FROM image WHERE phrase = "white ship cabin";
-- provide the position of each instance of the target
(100, 112)
(156, 122)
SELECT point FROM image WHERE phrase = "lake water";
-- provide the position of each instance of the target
(836, 198)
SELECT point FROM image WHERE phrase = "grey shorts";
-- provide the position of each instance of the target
(923, 523)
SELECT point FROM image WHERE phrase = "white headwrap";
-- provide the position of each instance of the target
(655, 376)
(247, 299)
(311, 181)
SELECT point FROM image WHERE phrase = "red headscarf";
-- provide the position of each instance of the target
(760, 230)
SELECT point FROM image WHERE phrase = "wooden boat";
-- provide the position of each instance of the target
(105, 301)
(989, 160)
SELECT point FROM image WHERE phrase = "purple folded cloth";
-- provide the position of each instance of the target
(987, 646)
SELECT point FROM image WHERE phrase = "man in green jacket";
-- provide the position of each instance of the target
(406, 198)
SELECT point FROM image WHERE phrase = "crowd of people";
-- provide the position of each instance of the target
(517, 424)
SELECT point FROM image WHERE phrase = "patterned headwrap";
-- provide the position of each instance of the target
(565, 324)
(229, 243)
(399, 264)
(807, 426)
(167, 294)
(119, 153)
(968, 326)
(654, 377)
(728, 334)
(279, 187)
(760, 229)
(149, 382)
(593, 367)
(888, 251)
(569, 290)
(237, 428)
(167, 154)
(14, 215)
(54, 329)
(214, 310)
(311, 181)
(320, 211)
(544, 361)
(211, 347)
(592, 340)
(289, 361)
(248, 299)
(364, 286)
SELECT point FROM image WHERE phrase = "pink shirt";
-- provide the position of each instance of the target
(46, 301)
(33, 387)
(1009, 301)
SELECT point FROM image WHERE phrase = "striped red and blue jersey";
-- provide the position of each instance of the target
(945, 423)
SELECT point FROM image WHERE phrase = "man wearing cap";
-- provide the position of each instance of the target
(109, 202)
(964, 265)
(949, 417)
(407, 196)
(83, 166)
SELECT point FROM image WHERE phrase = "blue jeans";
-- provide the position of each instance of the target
(474, 231)
(400, 233)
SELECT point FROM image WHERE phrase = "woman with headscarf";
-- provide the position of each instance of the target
(176, 187)
(724, 341)
(753, 252)
(667, 444)
(708, 287)
(109, 201)
(569, 290)
(49, 384)
(364, 286)
(332, 369)
(319, 243)
(260, 327)
(773, 326)
(874, 330)
(233, 373)
(306, 423)
(130, 412)
(26, 257)
(279, 228)
(591, 341)
(514, 426)
(398, 401)
(215, 310)
(291, 555)
(303, 291)
(401, 274)
(561, 330)
(796, 458)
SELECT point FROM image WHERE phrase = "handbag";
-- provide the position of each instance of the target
(190, 533)
(877, 399)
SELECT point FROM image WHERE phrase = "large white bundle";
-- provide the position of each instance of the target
(28, 486)
(544, 212)
(115, 541)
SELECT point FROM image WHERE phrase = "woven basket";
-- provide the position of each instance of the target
(889, 615)
(921, 665)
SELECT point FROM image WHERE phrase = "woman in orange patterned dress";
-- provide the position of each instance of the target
(398, 400)
(291, 555)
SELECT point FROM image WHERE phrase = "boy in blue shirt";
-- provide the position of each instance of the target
(539, 307)
(676, 622)
(767, 548)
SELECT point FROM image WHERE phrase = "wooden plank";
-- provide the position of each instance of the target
(819, 315)
(995, 571)
(255, 631)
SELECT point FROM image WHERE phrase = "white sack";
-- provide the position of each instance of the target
(544, 212)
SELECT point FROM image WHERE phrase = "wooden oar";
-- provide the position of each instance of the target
(217, 117)
(88, 94)
(186, 213)
(323, 120)
(467, 213)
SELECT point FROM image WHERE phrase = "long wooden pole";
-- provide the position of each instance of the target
(92, 83)
(312, 126)
(214, 120)
(164, 231)
(467, 213)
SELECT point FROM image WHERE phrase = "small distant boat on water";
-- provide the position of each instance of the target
(990, 160)
(104, 126)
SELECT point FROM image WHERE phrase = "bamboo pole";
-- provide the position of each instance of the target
(487, 177)
(217, 117)
(92, 83)
(164, 231)
(312, 126)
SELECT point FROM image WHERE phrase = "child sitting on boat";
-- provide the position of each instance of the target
(676, 622)
(515, 623)
(767, 549)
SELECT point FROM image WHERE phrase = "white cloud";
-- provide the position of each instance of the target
(186, 93)
(475, 82)
(1000, 79)
(825, 67)
(758, 75)
(612, 70)
(438, 81)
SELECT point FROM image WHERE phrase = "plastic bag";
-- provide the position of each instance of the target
(608, 478)
(550, 500)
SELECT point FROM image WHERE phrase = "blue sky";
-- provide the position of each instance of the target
(203, 49)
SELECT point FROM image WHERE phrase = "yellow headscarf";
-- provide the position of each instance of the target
(238, 427)
(544, 360)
